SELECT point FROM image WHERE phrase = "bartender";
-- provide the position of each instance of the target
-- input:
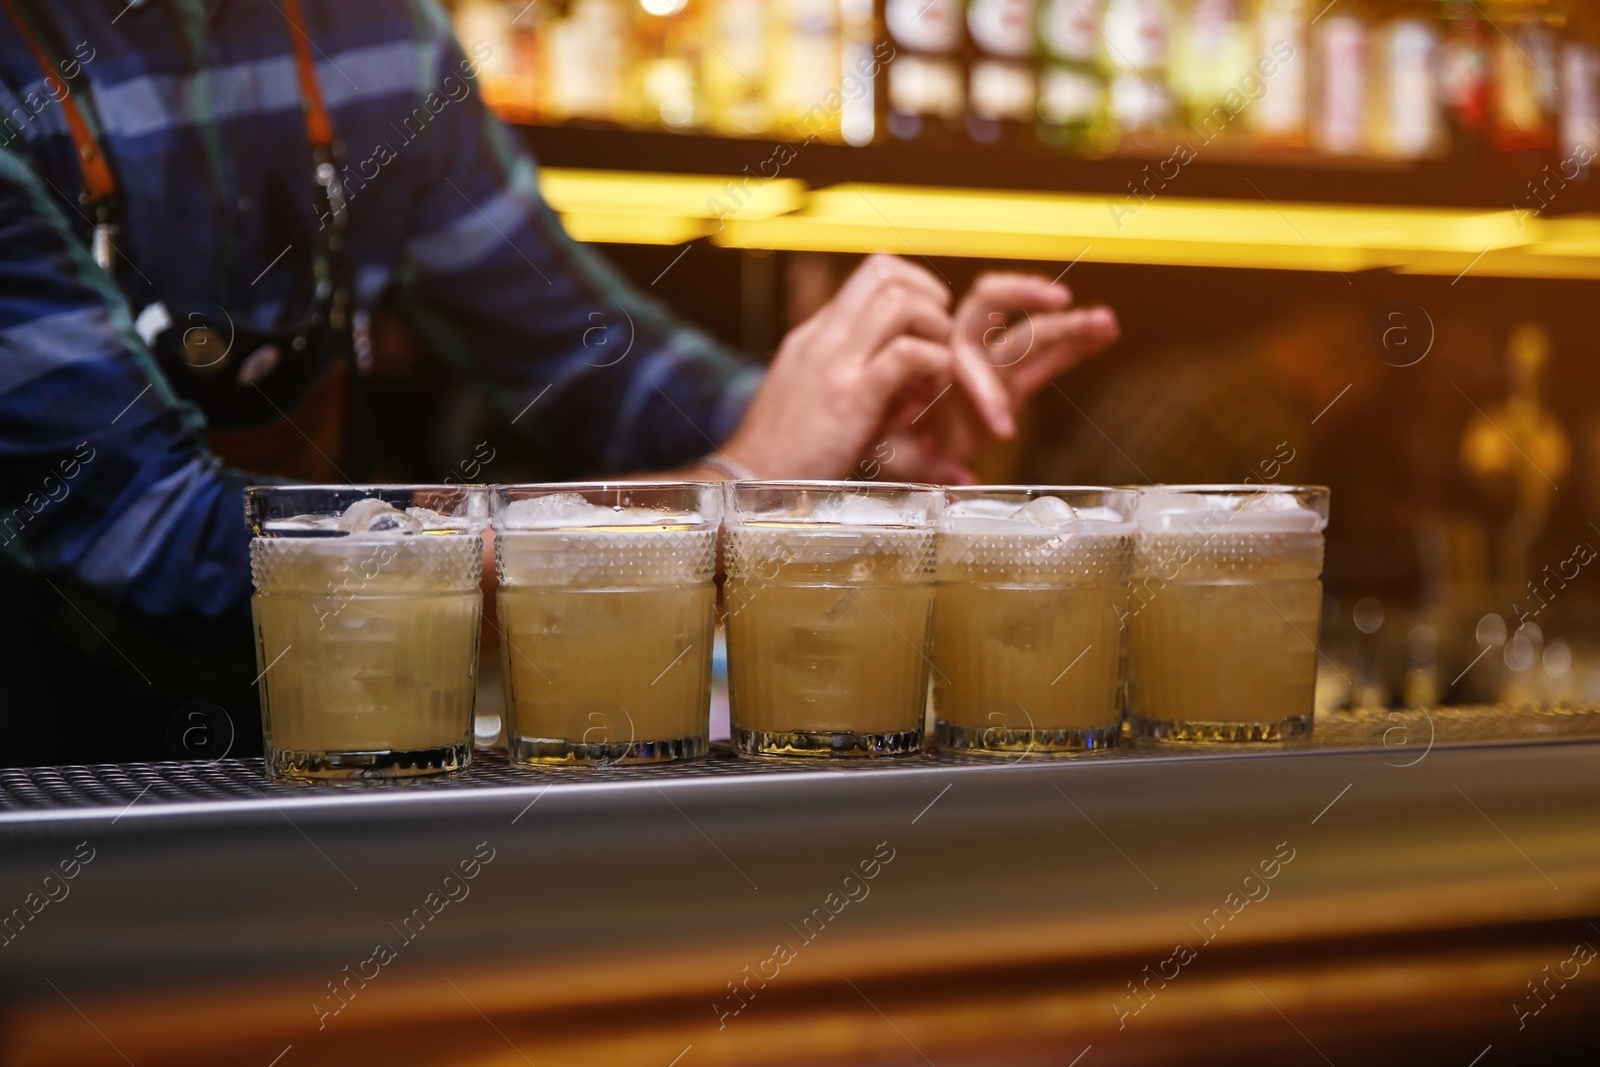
(202, 205)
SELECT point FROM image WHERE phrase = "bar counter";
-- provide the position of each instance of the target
(1405, 888)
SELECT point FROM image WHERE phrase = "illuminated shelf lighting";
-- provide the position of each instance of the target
(784, 214)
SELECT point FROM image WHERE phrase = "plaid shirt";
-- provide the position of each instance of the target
(106, 486)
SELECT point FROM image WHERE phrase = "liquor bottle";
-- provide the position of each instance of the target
(1464, 69)
(803, 76)
(1339, 69)
(586, 59)
(926, 93)
(1281, 116)
(734, 70)
(1072, 85)
(1002, 87)
(666, 91)
(1525, 79)
(1213, 69)
(861, 56)
(1137, 50)
(1408, 124)
(1579, 82)
(505, 54)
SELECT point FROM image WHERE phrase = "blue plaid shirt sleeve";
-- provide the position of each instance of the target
(615, 382)
(104, 483)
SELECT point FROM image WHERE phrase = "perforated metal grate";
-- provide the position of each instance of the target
(116, 786)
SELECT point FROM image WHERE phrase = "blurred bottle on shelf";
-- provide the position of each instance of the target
(1072, 82)
(733, 69)
(1524, 66)
(1578, 79)
(1406, 122)
(664, 89)
(508, 76)
(1281, 117)
(586, 62)
(1001, 81)
(1519, 441)
(1339, 43)
(803, 69)
(1138, 50)
(861, 56)
(1214, 72)
(926, 97)
(1465, 80)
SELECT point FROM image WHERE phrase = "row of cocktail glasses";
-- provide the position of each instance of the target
(1040, 616)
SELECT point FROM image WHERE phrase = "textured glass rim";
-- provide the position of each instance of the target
(709, 509)
(1236, 489)
(734, 515)
(983, 492)
(975, 490)
(366, 487)
(826, 484)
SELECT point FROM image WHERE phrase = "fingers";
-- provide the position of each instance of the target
(1060, 340)
(877, 272)
(994, 340)
(896, 310)
(1010, 292)
(985, 390)
(904, 361)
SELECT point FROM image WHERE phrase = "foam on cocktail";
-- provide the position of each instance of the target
(1178, 511)
(570, 511)
(370, 517)
(1048, 515)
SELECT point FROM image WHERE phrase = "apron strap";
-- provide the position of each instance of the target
(99, 184)
(319, 124)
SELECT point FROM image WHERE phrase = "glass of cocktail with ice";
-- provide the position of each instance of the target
(1223, 610)
(1028, 648)
(607, 609)
(366, 617)
(828, 600)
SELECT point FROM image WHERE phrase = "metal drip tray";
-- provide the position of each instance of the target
(30, 794)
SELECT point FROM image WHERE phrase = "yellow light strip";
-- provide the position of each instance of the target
(783, 214)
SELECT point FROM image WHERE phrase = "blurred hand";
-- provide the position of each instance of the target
(844, 376)
(1014, 334)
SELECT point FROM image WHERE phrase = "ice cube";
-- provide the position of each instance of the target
(861, 510)
(1171, 510)
(546, 512)
(435, 520)
(981, 508)
(1047, 511)
(1268, 512)
(302, 525)
(377, 516)
(1108, 516)
(558, 511)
